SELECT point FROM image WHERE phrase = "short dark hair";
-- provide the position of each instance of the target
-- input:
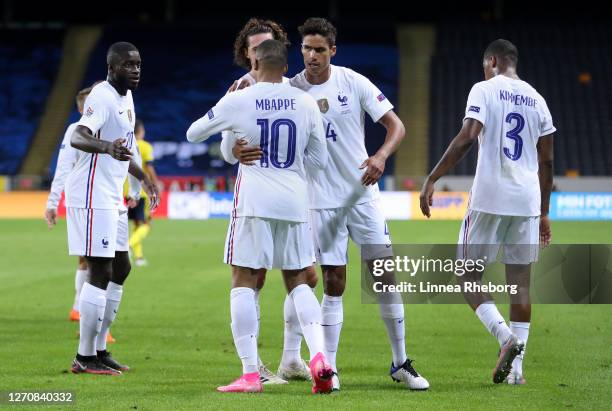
(503, 50)
(321, 26)
(118, 50)
(272, 53)
(252, 27)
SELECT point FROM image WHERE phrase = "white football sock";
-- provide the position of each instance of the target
(292, 342)
(333, 316)
(79, 279)
(91, 307)
(113, 299)
(309, 314)
(256, 291)
(494, 322)
(521, 330)
(393, 317)
(244, 327)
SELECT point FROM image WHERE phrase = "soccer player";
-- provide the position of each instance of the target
(345, 195)
(97, 227)
(254, 32)
(269, 220)
(140, 212)
(66, 160)
(510, 197)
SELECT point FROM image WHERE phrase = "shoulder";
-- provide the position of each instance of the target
(298, 80)
(102, 92)
(232, 99)
(486, 85)
(532, 90)
(349, 75)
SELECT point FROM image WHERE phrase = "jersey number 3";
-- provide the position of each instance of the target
(514, 135)
(270, 148)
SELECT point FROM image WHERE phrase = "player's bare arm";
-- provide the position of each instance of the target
(82, 139)
(375, 165)
(147, 184)
(457, 149)
(150, 170)
(545, 174)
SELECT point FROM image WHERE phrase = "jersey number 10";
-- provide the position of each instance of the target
(514, 135)
(269, 147)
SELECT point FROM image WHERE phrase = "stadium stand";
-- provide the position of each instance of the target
(29, 61)
(567, 64)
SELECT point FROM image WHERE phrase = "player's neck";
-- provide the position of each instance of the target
(320, 78)
(270, 77)
(509, 72)
(121, 90)
(253, 73)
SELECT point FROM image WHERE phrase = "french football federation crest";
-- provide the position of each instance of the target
(323, 105)
(130, 115)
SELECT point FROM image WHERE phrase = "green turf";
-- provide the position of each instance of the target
(173, 329)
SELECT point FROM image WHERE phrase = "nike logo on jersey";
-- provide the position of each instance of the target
(99, 319)
(121, 112)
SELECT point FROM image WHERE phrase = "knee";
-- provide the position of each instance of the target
(334, 280)
(121, 272)
(311, 277)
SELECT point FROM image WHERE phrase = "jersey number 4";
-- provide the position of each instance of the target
(514, 135)
(330, 133)
(269, 147)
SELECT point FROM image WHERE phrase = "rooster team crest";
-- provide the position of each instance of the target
(323, 105)
(130, 115)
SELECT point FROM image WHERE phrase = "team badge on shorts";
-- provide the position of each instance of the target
(323, 105)
(130, 115)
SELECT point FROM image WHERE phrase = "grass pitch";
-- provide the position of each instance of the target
(173, 330)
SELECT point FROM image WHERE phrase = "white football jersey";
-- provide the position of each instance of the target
(343, 100)
(68, 156)
(285, 122)
(514, 116)
(97, 179)
(226, 148)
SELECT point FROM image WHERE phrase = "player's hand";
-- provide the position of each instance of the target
(375, 166)
(426, 197)
(152, 191)
(238, 85)
(118, 151)
(51, 217)
(132, 202)
(246, 155)
(545, 231)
